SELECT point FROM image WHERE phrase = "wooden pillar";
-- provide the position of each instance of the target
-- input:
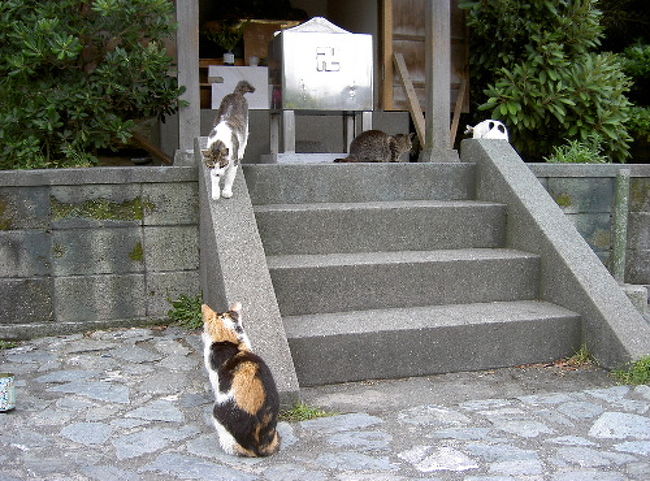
(437, 53)
(187, 48)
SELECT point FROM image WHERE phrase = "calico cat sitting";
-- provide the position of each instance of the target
(228, 139)
(378, 146)
(246, 404)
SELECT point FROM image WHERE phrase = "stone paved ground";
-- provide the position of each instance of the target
(134, 405)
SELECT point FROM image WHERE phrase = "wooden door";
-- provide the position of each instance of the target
(403, 31)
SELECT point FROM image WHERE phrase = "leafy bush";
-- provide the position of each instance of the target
(75, 75)
(186, 311)
(534, 61)
(589, 151)
(640, 123)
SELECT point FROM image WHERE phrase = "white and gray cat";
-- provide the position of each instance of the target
(378, 146)
(227, 140)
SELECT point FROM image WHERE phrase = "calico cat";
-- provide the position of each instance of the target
(246, 404)
(378, 146)
(227, 140)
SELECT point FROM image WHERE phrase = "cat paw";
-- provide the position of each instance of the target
(216, 195)
(227, 194)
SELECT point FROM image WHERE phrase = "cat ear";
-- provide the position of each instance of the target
(236, 307)
(412, 136)
(206, 310)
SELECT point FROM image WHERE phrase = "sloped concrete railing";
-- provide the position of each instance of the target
(233, 268)
(571, 274)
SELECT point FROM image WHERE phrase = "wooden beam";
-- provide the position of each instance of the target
(458, 107)
(154, 150)
(187, 47)
(414, 103)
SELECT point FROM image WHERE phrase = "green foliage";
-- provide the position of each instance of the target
(186, 311)
(640, 122)
(588, 151)
(636, 64)
(303, 412)
(7, 344)
(636, 373)
(535, 62)
(75, 75)
(225, 34)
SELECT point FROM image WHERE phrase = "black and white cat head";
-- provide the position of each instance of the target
(488, 129)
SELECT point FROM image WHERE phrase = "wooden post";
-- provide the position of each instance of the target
(437, 51)
(187, 47)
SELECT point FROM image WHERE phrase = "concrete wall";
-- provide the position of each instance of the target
(88, 248)
(63, 269)
(585, 193)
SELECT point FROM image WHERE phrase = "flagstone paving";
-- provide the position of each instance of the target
(134, 405)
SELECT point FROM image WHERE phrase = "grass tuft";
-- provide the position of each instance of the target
(636, 373)
(581, 358)
(7, 344)
(303, 412)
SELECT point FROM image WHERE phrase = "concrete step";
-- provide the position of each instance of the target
(308, 284)
(329, 182)
(379, 226)
(402, 342)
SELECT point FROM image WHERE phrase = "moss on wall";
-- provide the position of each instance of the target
(6, 221)
(102, 209)
(58, 250)
(137, 254)
(564, 200)
(640, 195)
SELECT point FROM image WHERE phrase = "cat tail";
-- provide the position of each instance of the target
(243, 87)
(270, 441)
(272, 447)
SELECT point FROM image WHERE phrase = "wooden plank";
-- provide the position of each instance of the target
(154, 150)
(414, 103)
(460, 99)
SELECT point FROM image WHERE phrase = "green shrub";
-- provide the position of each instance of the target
(76, 75)
(640, 123)
(537, 71)
(186, 311)
(589, 151)
(636, 64)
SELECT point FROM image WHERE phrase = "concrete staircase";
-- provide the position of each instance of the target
(392, 270)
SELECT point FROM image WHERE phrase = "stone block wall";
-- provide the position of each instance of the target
(87, 248)
(586, 195)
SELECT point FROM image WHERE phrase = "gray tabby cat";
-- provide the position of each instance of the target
(227, 140)
(378, 146)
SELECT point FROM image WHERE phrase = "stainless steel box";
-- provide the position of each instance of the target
(319, 66)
